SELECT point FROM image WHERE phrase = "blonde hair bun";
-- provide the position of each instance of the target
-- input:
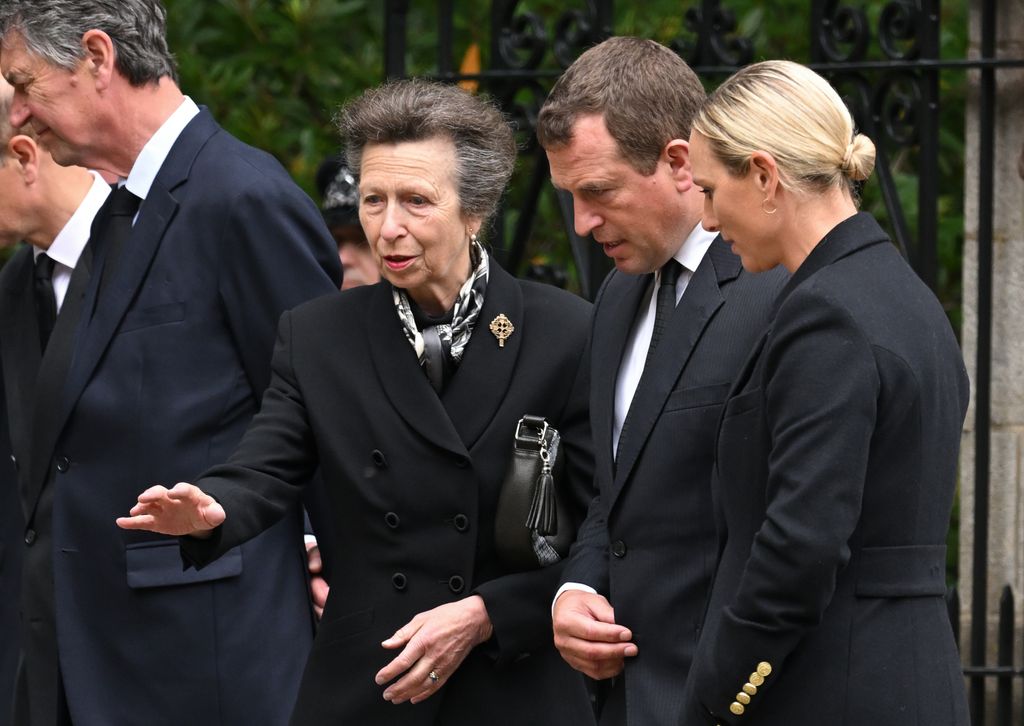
(859, 159)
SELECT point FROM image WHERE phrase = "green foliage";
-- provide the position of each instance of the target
(274, 72)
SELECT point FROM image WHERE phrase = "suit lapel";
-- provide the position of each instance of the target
(101, 317)
(616, 314)
(698, 305)
(21, 354)
(478, 387)
(402, 379)
(50, 378)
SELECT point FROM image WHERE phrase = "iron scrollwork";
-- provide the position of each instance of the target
(577, 30)
(521, 38)
(716, 42)
(841, 32)
(898, 30)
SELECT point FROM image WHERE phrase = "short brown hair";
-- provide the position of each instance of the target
(645, 92)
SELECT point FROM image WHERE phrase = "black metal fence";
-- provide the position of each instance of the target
(888, 71)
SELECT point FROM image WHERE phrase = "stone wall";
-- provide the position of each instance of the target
(1006, 511)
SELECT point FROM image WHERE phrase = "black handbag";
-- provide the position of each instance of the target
(532, 528)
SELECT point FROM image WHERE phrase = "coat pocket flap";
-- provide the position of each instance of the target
(159, 564)
(697, 396)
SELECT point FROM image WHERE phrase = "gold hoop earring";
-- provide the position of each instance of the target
(764, 202)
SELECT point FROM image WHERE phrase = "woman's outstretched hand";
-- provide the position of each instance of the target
(184, 510)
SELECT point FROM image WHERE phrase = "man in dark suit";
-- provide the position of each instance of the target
(197, 253)
(673, 323)
(49, 207)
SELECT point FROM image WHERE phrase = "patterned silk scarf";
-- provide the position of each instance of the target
(454, 335)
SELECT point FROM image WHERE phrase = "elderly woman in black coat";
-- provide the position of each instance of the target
(406, 395)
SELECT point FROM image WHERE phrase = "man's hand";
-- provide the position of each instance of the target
(435, 644)
(318, 587)
(183, 510)
(588, 638)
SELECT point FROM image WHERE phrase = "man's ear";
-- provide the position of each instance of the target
(25, 153)
(677, 153)
(99, 56)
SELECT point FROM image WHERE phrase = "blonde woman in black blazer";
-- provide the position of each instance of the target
(406, 395)
(837, 448)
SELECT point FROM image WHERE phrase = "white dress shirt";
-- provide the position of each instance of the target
(67, 246)
(689, 256)
(634, 357)
(154, 153)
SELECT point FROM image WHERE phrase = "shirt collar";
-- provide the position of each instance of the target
(694, 248)
(71, 240)
(155, 152)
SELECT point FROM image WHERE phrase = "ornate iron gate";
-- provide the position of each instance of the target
(894, 93)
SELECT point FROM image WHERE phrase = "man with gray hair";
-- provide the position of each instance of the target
(672, 325)
(49, 207)
(202, 246)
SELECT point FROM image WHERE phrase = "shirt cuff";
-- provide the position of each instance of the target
(570, 586)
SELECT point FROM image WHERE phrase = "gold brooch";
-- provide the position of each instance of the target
(502, 328)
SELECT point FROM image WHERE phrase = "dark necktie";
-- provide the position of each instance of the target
(113, 225)
(666, 302)
(46, 301)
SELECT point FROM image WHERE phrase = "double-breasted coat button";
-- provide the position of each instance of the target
(30, 537)
(399, 581)
(461, 522)
(736, 708)
(378, 459)
(462, 462)
(63, 464)
(743, 698)
(456, 583)
(392, 520)
(764, 668)
(750, 689)
(756, 679)
(619, 548)
(14, 460)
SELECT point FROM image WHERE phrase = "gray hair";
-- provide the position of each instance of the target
(418, 110)
(6, 130)
(53, 30)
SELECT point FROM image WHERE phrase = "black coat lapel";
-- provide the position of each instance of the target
(616, 311)
(21, 355)
(101, 317)
(51, 376)
(698, 305)
(401, 378)
(478, 387)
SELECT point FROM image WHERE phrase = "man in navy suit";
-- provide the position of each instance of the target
(203, 245)
(672, 325)
(47, 209)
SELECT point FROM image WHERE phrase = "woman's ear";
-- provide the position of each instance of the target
(25, 154)
(764, 173)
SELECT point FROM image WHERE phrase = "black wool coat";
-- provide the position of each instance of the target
(412, 480)
(837, 460)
